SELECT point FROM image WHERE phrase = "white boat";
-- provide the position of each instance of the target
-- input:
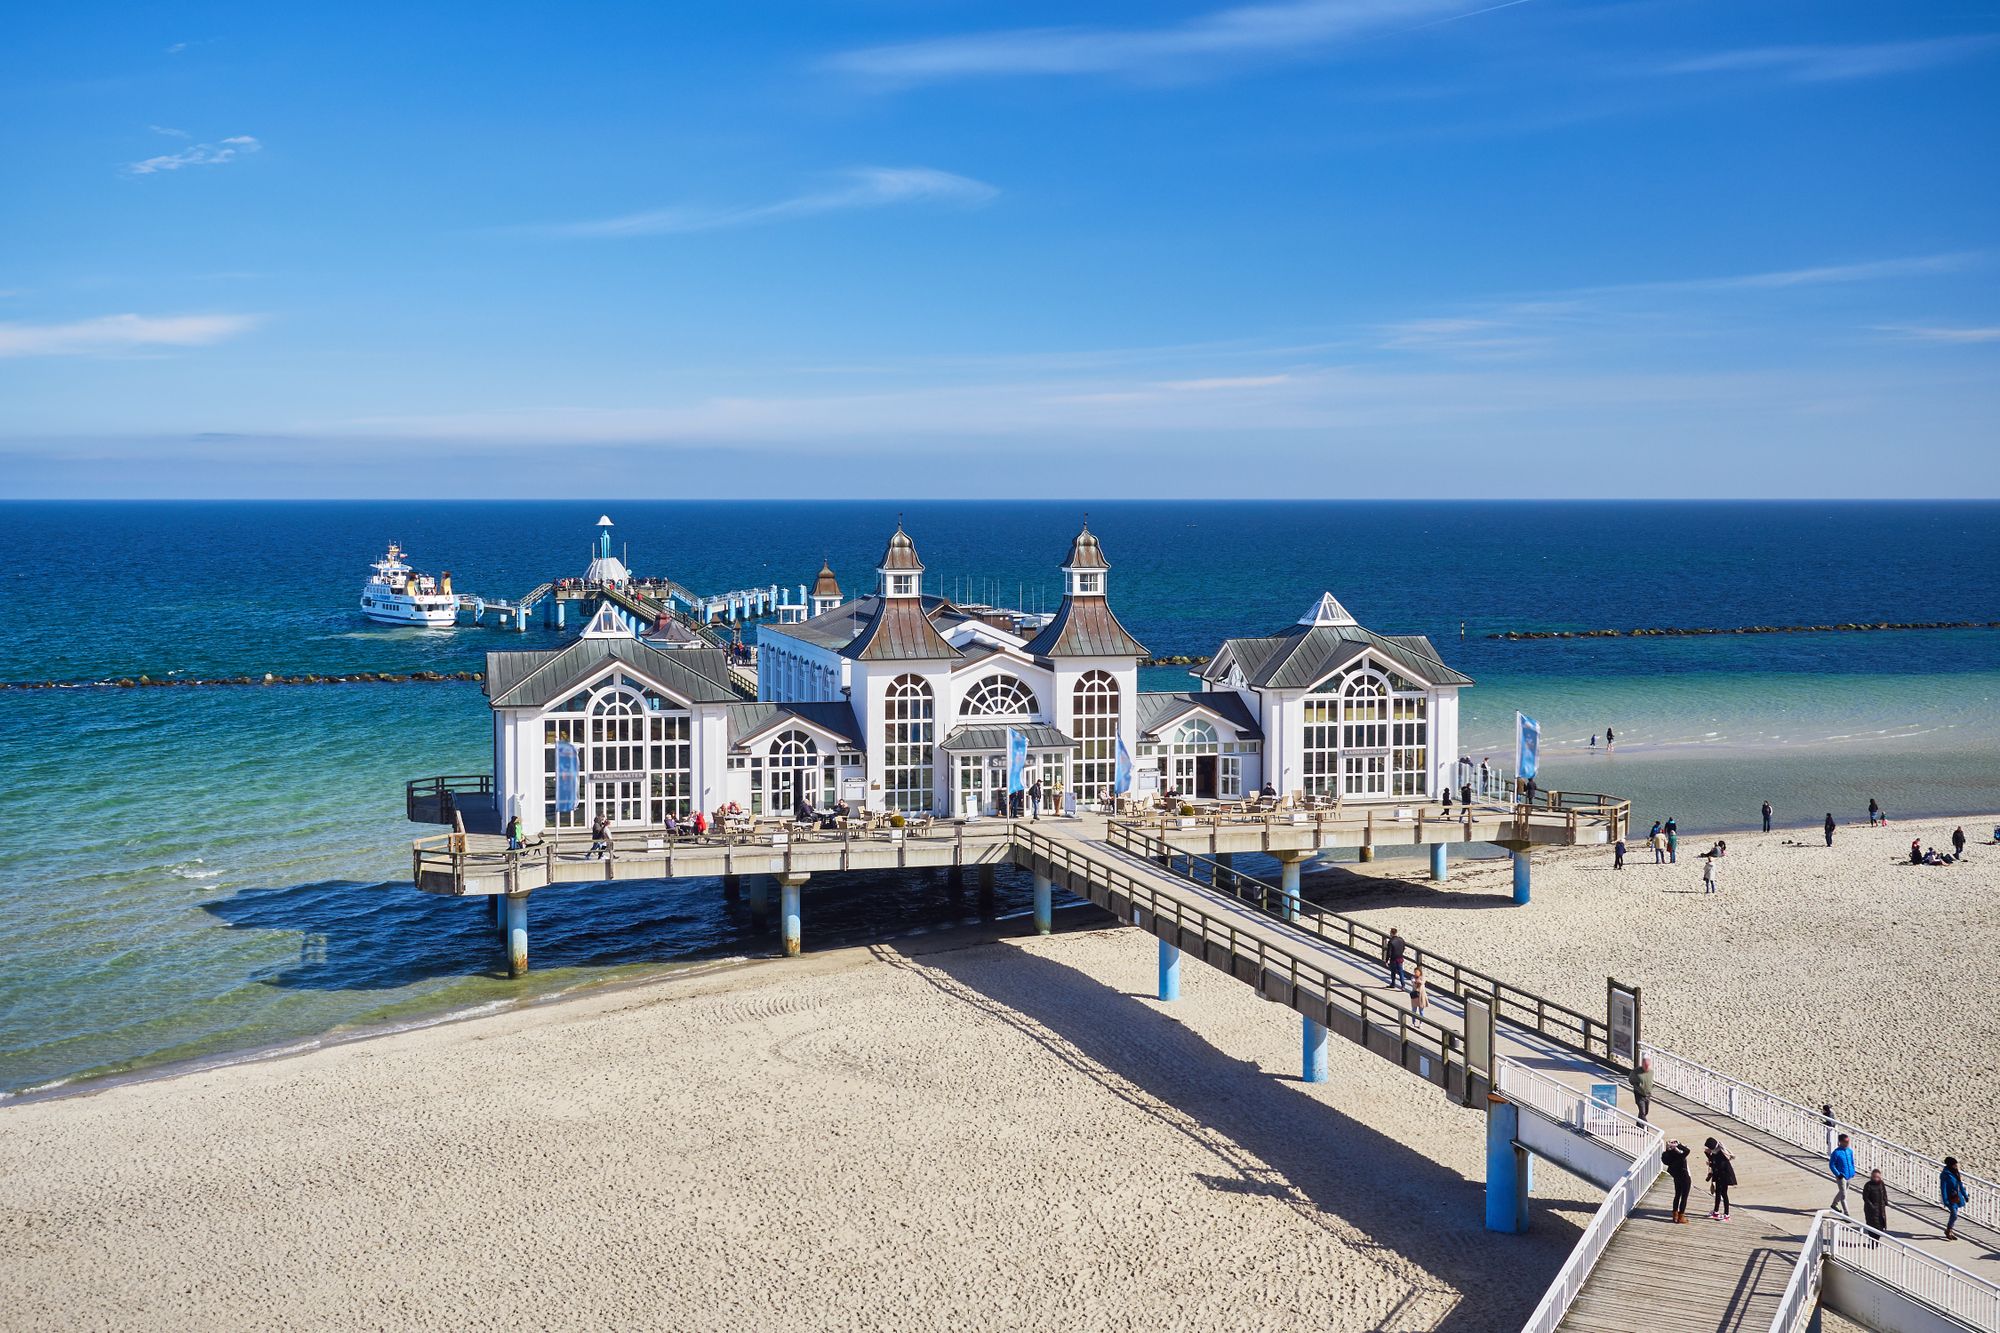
(395, 594)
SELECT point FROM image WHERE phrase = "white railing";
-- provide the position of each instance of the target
(1835, 1238)
(1628, 1133)
(1905, 1169)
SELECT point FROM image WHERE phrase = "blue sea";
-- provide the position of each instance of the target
(193, 874)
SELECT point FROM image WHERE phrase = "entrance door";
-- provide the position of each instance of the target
(971, 785)
(1204, 776)
(1364, 775)
(781, 791)
(622, 800)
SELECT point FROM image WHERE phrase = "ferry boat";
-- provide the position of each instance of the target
(395, 594)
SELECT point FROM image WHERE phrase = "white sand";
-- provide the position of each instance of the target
(1820, 974)
(1008, 1136)
(997, 1137)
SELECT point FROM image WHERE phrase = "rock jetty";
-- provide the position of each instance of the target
(268, 678)
(1689, 631)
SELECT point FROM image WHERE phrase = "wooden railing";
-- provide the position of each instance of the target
(1557, 1022)
(1568, 811)
(433, 800)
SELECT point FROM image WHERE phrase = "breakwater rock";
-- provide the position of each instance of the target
(1691, 631)
(268, 678)
(1177, 659)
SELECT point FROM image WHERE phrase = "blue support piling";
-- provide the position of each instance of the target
(1288, 883)
(1440, 865)
(1506, 1169)
(1312, 1050)
(789, 888)
(1170, 972)
(1045, 906)
(517, 935)
(1521, 878)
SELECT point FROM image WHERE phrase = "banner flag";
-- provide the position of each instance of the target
(1017, 759)
(1121, 779)
(1527, 745)
(568, 770)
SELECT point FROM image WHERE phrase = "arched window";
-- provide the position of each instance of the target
(794, 770)
(1196, 736)
(634, 755)
(1095, 769)
(1367, 735)
(909, 746)
(999, 696)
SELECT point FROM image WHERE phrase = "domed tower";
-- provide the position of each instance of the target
(902, 574)
(826, 592)
(1083, 625)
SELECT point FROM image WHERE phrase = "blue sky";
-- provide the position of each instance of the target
(1300, 248)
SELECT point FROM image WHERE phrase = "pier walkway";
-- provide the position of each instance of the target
(1542, 1072)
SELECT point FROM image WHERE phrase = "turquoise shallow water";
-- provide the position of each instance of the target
(195, 873)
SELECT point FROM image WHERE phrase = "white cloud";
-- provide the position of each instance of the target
(1267, 30)
(196, 155)
(1944, 333)
(1816, 64)
(108, 334)
(170, 131)
(868, 187)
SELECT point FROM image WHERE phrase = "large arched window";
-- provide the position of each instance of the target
(999, 696)
(1366, 734)
(793, 770)
(634, 755)
(1196, 736)
(1095, 771)
(909, 746)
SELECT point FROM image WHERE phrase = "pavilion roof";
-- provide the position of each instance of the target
(535, 679)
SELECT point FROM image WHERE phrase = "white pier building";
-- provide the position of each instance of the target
(899, 701)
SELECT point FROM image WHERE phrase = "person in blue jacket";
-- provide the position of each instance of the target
(1841, 1163)
(1953, 1194)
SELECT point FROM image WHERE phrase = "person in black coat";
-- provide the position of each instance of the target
(1676, 1160)
(1721, 1176)
(1875, 1203)
(1829, 828)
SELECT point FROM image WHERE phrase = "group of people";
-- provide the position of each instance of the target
(1395, 950)
(1610, 738)
(1952, 1192)
(1721, 1177)
(1921, 855)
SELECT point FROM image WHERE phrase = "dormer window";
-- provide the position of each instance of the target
(902, 585)
(1089, 584)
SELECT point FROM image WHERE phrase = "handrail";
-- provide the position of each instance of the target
(1145, 894)
(1837, 1238)
(1557, 1022)
(1544, 813)
(1910, 1171)
(1535, 1089)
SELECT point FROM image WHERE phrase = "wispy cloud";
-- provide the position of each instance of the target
(1284, 29)
(1944, 333)
(868, 187)
(170, 131)
(110, 334)
(1817, 64)
(196, 155)
(1872, 270)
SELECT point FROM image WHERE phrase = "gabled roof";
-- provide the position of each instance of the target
(748, 721)
(1301, 656)
(1159, 709)
(536, 679)
(995, 738)
(1085, 627)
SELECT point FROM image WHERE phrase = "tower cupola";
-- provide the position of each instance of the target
(826, 592)
(901, 572)
(1084, 571)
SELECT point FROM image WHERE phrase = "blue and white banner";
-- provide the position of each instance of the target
(1121, 773)
(569, 767)
(1527, 745)
(1017, 759)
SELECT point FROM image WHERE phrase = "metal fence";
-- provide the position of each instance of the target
(1838, 1239)
(1559, 1023)
(1905, 1169)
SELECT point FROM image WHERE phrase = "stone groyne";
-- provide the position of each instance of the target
(268, 678)
(1692, 631)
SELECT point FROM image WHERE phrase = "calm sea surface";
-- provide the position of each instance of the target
(191, 874)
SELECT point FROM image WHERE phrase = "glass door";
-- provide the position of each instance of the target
(971, 785)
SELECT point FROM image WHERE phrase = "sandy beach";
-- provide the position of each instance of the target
(1005, 1135)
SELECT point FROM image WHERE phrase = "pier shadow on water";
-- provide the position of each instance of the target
(1270, 1137)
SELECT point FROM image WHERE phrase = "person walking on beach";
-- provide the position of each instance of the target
(1675, 1159)
(1618, 854)
(1767, 816)
(1659, 841)
(1708, 874)
(1393, 950)
(1840, 1163)
(1642, 1087)
(1721, 1176)
(1420, 991)
(1958, 842)
(1610, 738)
(1875, 1204)
(1830, 826)
(1673, 844)
(1953, 1195)
(1593, 740)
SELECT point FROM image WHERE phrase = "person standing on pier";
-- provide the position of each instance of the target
(1393, 950)
(1035, 800)
(1642, 1087)
(1721, 1177)
(1875, 1203)
(1420, 991)
(513, 833)
(1830, 826)
(600, 836)
(1767, 816)
(1675, 1159)
(1953, 1195)
(1840, 1162)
